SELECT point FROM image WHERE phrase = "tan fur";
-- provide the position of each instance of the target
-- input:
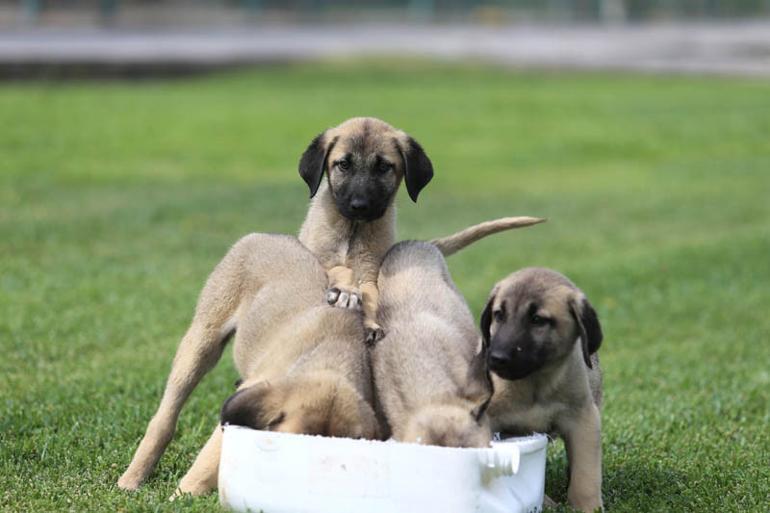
(319, 399)
(270, 289)
(562, 397)
(431, 388)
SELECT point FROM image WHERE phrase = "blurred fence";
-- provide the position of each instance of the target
(230, 12)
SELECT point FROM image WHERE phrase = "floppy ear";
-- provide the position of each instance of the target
(486, 321)
(479, 371)
(418, 169)
(588, 325)
(246, 408)
(313, 162)
(480, 386)
(481, 409)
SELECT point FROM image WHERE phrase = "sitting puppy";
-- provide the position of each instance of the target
(351, 222)
(432, 386)
(543, 335)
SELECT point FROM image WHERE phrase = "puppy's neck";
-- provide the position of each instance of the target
(332, 236)
(549, 380)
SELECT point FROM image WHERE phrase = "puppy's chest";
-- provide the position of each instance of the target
(359, 251)
(522, 417)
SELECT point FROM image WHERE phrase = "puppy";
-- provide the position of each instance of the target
(304, 365)
(432, 385)
(351, 222)
(543, 335)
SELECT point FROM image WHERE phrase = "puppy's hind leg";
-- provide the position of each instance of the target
(198, 352)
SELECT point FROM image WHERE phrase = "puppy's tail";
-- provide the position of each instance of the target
(451, 244)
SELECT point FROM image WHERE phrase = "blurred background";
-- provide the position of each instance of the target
(225, 12)
(140, 139)
(139, 37)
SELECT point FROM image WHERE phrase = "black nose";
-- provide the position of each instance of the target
(499, 359)
(359, 204)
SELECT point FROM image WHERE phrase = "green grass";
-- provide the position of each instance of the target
(117, 199)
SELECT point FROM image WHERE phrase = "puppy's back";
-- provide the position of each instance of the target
(425, 362)
(414, 279)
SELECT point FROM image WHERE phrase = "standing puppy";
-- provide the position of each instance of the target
(351, 222)
(543, 335)
(430, 382)
(304, 366)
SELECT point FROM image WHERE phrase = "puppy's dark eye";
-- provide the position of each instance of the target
(385, 166)
(538, 320)
(498, 315)
(344, 165)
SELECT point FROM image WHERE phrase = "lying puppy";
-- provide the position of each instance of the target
(351, 222)
(259, 270)
(543, 335)
(431, 384)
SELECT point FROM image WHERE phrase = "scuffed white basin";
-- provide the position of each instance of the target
(284, 473)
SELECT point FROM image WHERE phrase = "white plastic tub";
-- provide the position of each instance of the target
(283, 473)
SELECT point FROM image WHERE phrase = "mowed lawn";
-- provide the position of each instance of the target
(117, 199)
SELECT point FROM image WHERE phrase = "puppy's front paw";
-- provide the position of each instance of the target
(340, 298)
(587, 502)
(129, 482)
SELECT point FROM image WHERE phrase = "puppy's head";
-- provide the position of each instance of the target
(533, 318)
(446, 425)
(309, 405)
(365, 160)
(459, 420)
